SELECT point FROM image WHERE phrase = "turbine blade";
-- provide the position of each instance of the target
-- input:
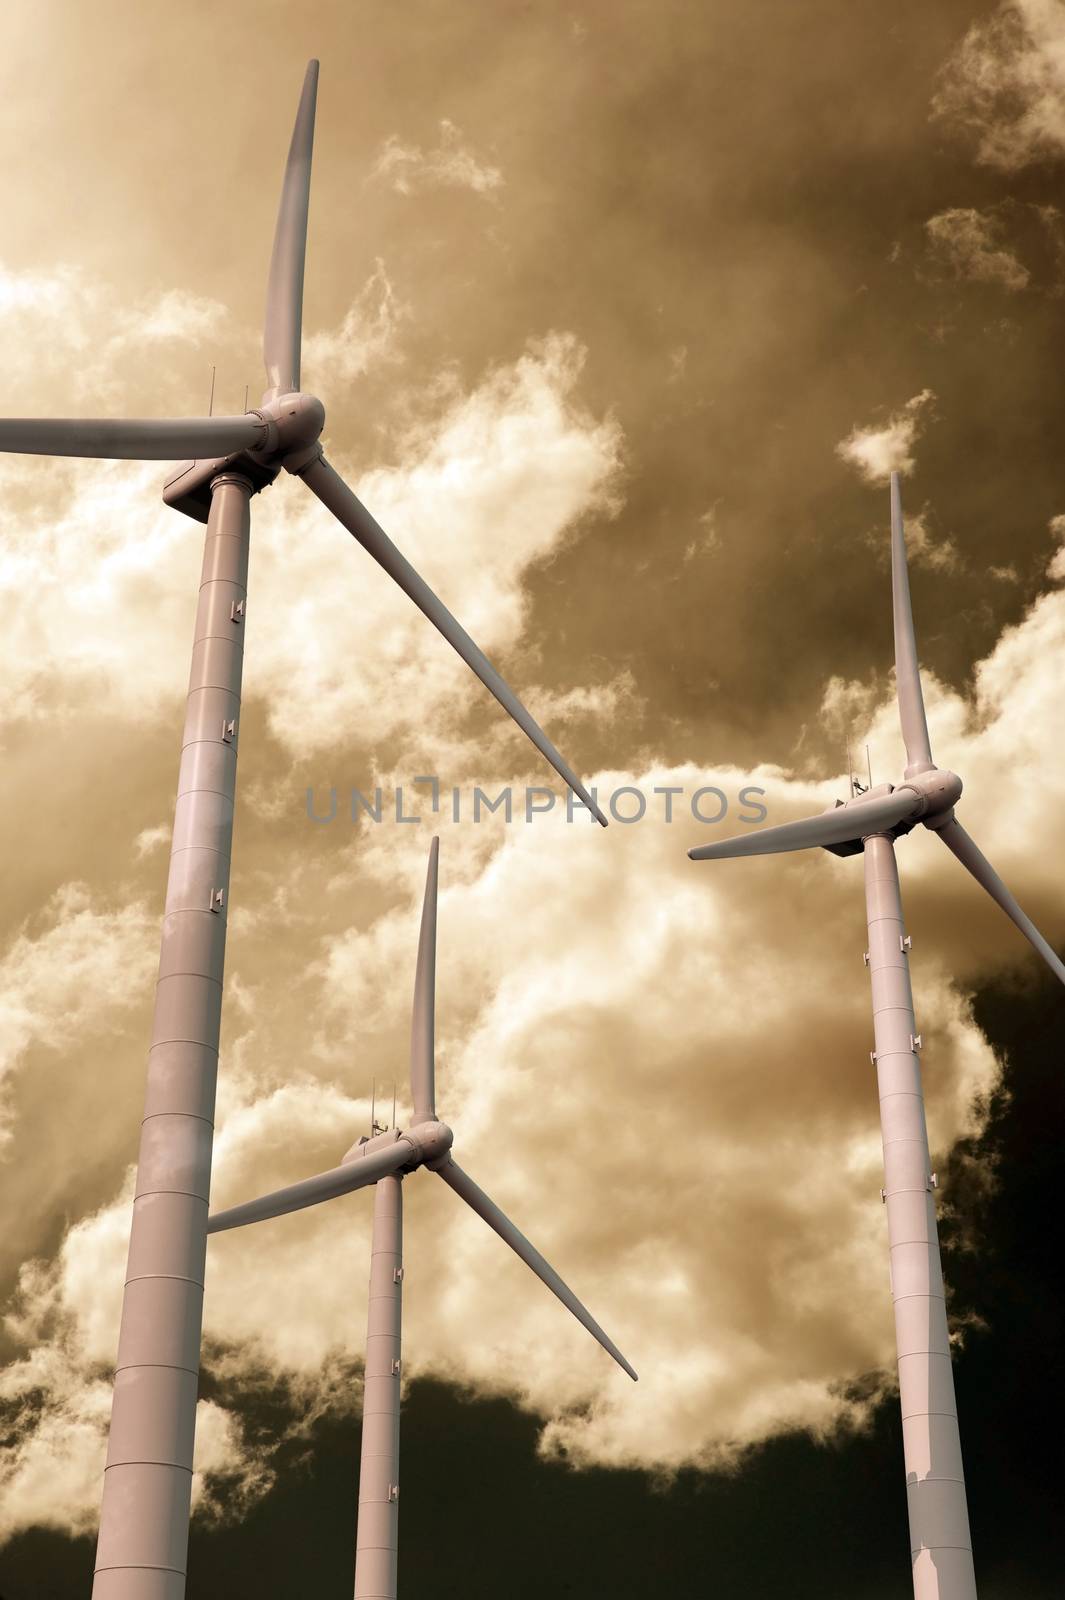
(854, 821)
(357, 1174)
(907, 673)
(165, 439)
(476, 1198)
(423, 1016)
(972, 857)
(334, 493)
(283, 327)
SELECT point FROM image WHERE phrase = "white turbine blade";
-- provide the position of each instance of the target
(423, 1016)
(855, 821)
(907, 673)
(476, 1198)
(334, 493)
(164, 439)
(357, 1174)
(971, 856)
(283, 327)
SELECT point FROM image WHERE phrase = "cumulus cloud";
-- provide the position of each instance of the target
(877, 452)
(576, 982)
(109, 568)
(56, 1400)
(478, 497)
(51, 1468)
(1006, 84)
(103, 599)
(60, 983)
(451, 163)
(771, 1278)
(491, 484)
(966, 241)
(608, 1011)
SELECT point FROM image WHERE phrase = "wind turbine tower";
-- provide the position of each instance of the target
(384, 1160)
(869, 824)
(143, 1539)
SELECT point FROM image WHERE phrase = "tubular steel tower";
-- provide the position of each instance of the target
(869, 824)
(141, 1554)
(383, 1160)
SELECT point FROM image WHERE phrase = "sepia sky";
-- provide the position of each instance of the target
(621, 314)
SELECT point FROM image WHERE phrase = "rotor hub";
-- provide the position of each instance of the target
(940, 791)
(432, 1141)
(294, 423)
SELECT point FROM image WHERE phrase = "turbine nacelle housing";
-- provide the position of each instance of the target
(935, 791)
(367, 1146)
(291, 425)
(188, 488)
(430, 1143)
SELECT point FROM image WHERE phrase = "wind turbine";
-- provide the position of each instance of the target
(142, 1547)
(940, 1544)
(383, 1160)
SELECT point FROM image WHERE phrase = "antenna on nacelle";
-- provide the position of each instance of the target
(375, 1126)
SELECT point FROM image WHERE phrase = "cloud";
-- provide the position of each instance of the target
(52, 1468)
(62, 983)
(101, 595)
(150, 839)
(174, 315)
(491, 484)
(1056, 569)
(366, 336)
(450, 164)
(847, 706)
(707, 538)
(109, 567)
(965, 241)
(582, 975)
(480, 495)
(608, 1011)
(606, 702)
(923, 549)
(56, 1401)
(878, 452)
(61, 320)
(530, 984)
(1005, 84)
